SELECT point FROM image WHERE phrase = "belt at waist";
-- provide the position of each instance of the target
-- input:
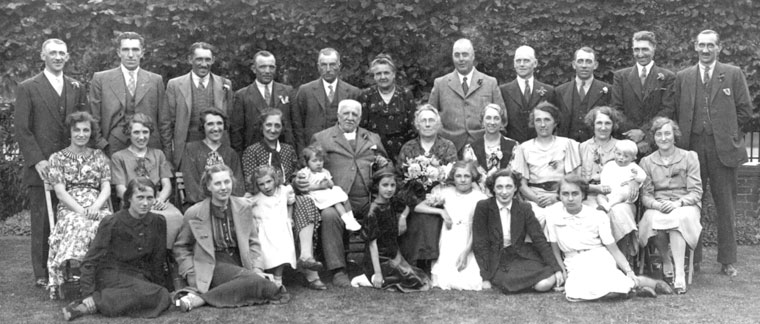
(548, 186)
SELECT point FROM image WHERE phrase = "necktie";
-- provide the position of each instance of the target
(526, 94)
(58, 85)
(465, 87)
(707, 77)
(330, 93)
(131, 85)
(643, 75)
(202, 83)
(268, 97)
(582, 90)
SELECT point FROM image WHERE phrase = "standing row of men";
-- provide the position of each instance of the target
(709, 100)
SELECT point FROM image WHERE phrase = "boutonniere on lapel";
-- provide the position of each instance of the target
(365, 136)
(660, 76)
(284, 99)
(727, 91)
(226, 87)
(721, 77)
(604, 90)
(480, 82)
(542, 91)
(76, 84)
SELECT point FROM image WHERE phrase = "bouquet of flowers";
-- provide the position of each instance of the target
(426, 171)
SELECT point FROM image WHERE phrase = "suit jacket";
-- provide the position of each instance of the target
(245, 118)
(641, 104)
(730, 109)
(517, 110)
(343, 161)
(39, 124)
(460, 112)
(488, 236)
(563, 97)
(175, 114)
(194, 247)
(309, 110)
(108, 93)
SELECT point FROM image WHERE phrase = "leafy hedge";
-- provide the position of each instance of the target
(418, 33)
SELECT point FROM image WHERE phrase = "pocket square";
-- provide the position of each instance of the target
(727, 91)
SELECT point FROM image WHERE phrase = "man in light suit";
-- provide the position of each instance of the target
(350, 152)
(642, 92)
(186, 97)
(712, 109)
(316, 103)
(577, 97)
(42, 104)
(124, 91)
(461, 95)
(523, 94)
(254, 99)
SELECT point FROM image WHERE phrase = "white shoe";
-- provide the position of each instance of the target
(351, 223)
(361, 281)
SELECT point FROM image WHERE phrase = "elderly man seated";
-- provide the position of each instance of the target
(350, 152)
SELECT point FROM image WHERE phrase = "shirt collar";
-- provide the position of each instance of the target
(334, 84)
(197, 79)
(709, 68)
(587, 84)
(469, 77)
(500, 205)
(648, 66)
(521, 82)
(125, 72)
(52, 77)
(350, 136)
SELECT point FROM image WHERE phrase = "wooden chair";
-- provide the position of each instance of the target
(179, 191)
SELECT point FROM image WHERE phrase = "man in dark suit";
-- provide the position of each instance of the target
(350, 152)
(251, 101)
(712, 109)
(577, 97)
(461, 95)
(523, 94)
(42, 104)
(642, 92)
(316, 103)
(186, 97)
(124, 91)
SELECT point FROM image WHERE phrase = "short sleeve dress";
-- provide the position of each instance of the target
(270, 214)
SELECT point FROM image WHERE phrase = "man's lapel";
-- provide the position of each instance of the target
(594, 93)
(187, 93)
(567, 96)
(475, 83)
(341, 92)
(118, 85)
(48, 94)
(218, 91)
(453, 82)
(513, 90)
(142, 86)
(635, 82)
(338, 137)
(318, 91)
(535, 95)
(716, 82)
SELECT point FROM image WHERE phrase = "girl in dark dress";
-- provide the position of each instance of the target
(384, 266)
(122, 273)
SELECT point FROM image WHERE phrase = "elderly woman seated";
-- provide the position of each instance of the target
(122, 273)
(592, 261)
(672, 196)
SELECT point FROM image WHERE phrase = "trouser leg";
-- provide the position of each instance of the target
(40, 230)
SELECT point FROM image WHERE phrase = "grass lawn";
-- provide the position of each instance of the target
(712, 298)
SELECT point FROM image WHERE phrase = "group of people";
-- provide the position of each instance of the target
(519, 187)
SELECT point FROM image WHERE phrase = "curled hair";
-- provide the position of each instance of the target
(574, 179)
(134, 185)
(499, 110)
(310, 151)
(206, 177)
(549, 108)
(269, 112)
(381, 59)
(130, 35)
(469, 165)
(615, 115)
(426, 107)
(81, 117)
(387, 172)
(215, 112)
(647, 36)
(491, 180)
(263, 171)
(138, 118)
(659, 122)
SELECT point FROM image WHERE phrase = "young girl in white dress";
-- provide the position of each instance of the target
(322, 189)
(272, 213)
(456, 267)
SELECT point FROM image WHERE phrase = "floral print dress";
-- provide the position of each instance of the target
(82, 174)
(393, 121)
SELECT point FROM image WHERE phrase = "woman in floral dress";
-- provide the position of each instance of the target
(81, 178)
(387, 109)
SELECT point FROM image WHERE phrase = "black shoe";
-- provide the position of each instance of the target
(647, 292)
(74, 310)
(282, 297)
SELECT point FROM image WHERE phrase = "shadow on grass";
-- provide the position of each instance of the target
(712, 298)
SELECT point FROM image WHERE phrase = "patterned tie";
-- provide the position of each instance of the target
(465, 87)
(330, 93)
(268, 97)
(131, 84)
(582, 90)
(706, 80)
(526, 94)
(643, 75)
(202, 84)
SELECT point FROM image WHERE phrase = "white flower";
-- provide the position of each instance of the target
(284, 99)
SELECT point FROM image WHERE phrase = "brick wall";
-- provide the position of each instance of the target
(747, 209)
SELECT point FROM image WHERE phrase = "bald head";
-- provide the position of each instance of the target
(525, 61)
(463, 55)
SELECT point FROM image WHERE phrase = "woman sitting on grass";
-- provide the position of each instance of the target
(592, 258)
(384, 266)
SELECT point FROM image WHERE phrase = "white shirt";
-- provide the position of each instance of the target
(350, 136)
(521, 83)
(261, 88)
(586, 86)
(648, 66)
(469, 77)
(125, 72)
(326, 85)
(702, 69)
(197, 79)
(55, 80)
(505, 214)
